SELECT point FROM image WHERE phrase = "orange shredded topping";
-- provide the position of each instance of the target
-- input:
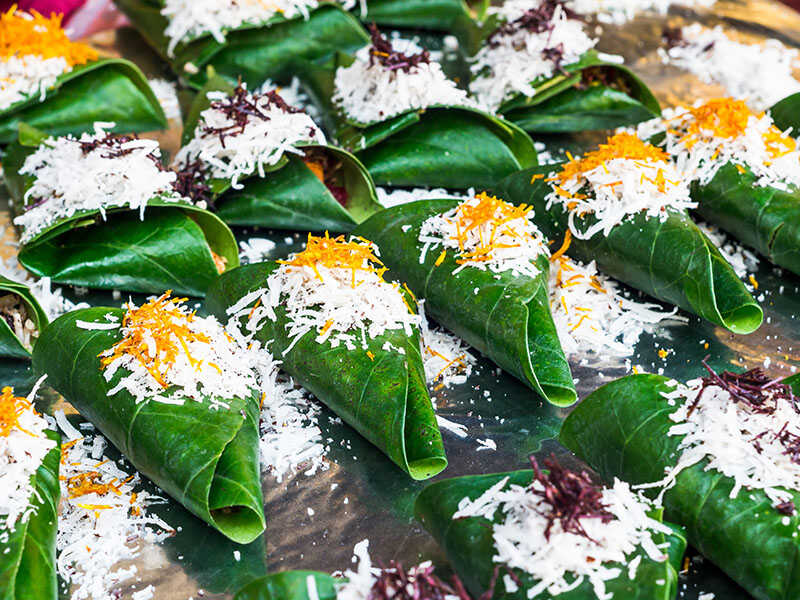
(90, 483)
(316, 169)
(24, 34)
(370, 355)
(11, 409)
(662, 354)
(220, 262)
(754, 281)
(440, 260)
(162, 322)
(564, 247)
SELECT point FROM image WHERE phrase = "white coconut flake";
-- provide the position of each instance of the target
(167, 95)
(230, 150)
(761, 74)
(395, 197)
(566, 559)
(114, 173)
(446, 359)
(499, 237)
(367, 92)
(619, 12)
(23, 77)
(744, 262)
(514, 60)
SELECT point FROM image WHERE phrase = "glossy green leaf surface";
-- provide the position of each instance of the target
(765, 218)
(508, 319)
(384, 398)
(28, 557)
(171, 248)
(786, 113)
(469, 546)
(254, 53)
(289, 585)
(621, 431)
(205, 459)
(671, 260)
(10, 344)
(109, 89)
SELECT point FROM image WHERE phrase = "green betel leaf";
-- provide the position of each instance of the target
(289, 585)
(206, 459)
(110, 90)
(671, 260)
(765, 218)
(621, 431)
(508, 319)
(786, 113)
(18, 304)
(253, 52)
(469, 546)
(28, 557)
(383, 397)
(173, 247)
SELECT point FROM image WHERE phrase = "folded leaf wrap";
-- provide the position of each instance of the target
(621, 431)
(109, 90)
(508, 319)
(206, 459)
(10, 345)
(671, 260)
(469, 546)
(28, 557)
(384, 398)
(289, 585)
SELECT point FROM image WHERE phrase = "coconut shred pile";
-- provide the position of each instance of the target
(34, 52)
(335, 288)
(622, 178)
(563, 530)
(746, 426)
(98, 171)
(23, 446)
(535, 41)
(486, 233)
(760, 74)
(618, 12)
(391, 78)
(246, 133)
(705, 137)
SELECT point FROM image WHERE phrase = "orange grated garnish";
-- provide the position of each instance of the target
(564, 246)
(11, 409)
(89, 483)
(30, 33)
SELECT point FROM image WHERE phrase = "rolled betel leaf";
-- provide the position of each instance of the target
(624, 206)
(410, 125)
(346, 335)
(536, 535)
(254, 41)
(22, 319)
(101, 211)
(722, 452)
(290, 585)
(482, 267)
(744, 171)
(61, 87)
(540, 71)
(29, 495)
(175, 394)
(259, 161)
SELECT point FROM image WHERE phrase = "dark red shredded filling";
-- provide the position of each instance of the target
(384, 54)
(421, 583)
(192, 182)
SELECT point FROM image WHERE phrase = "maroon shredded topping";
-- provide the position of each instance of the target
(572, 496)
(673, 36)
(418, 583)
(786, 508)
(383, 53)
(192, 182)
(790, 443)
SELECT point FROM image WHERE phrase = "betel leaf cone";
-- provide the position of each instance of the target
(205, 459)
(621, 430)
(469, 546)
(384, 398)
(173, 247)
(289, 585)
(291, 195)
(508, 319)
(671, 260)
(28, 556)
(786, 113)
(588, 95)
(253, 52)
(764, 218)
(454, 147)
(13, 292)
(109, 90)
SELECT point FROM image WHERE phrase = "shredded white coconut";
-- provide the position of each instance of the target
(230, 150)
(395, 197)
(69, 179)
(761, 74)
(167, 95)
(22, 77)
(619, 12)
(446, 359)
(566, 559)
(367, 93)
(516, 62)
(255, 250)
(743, 261)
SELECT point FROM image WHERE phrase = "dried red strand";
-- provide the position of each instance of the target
(384, 54)
(418, 583)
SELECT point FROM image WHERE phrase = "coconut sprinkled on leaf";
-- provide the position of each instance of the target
(486, 232)
(34, 52)
(704, 137)
(95, 172)
(623, 177)
(168, 354)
